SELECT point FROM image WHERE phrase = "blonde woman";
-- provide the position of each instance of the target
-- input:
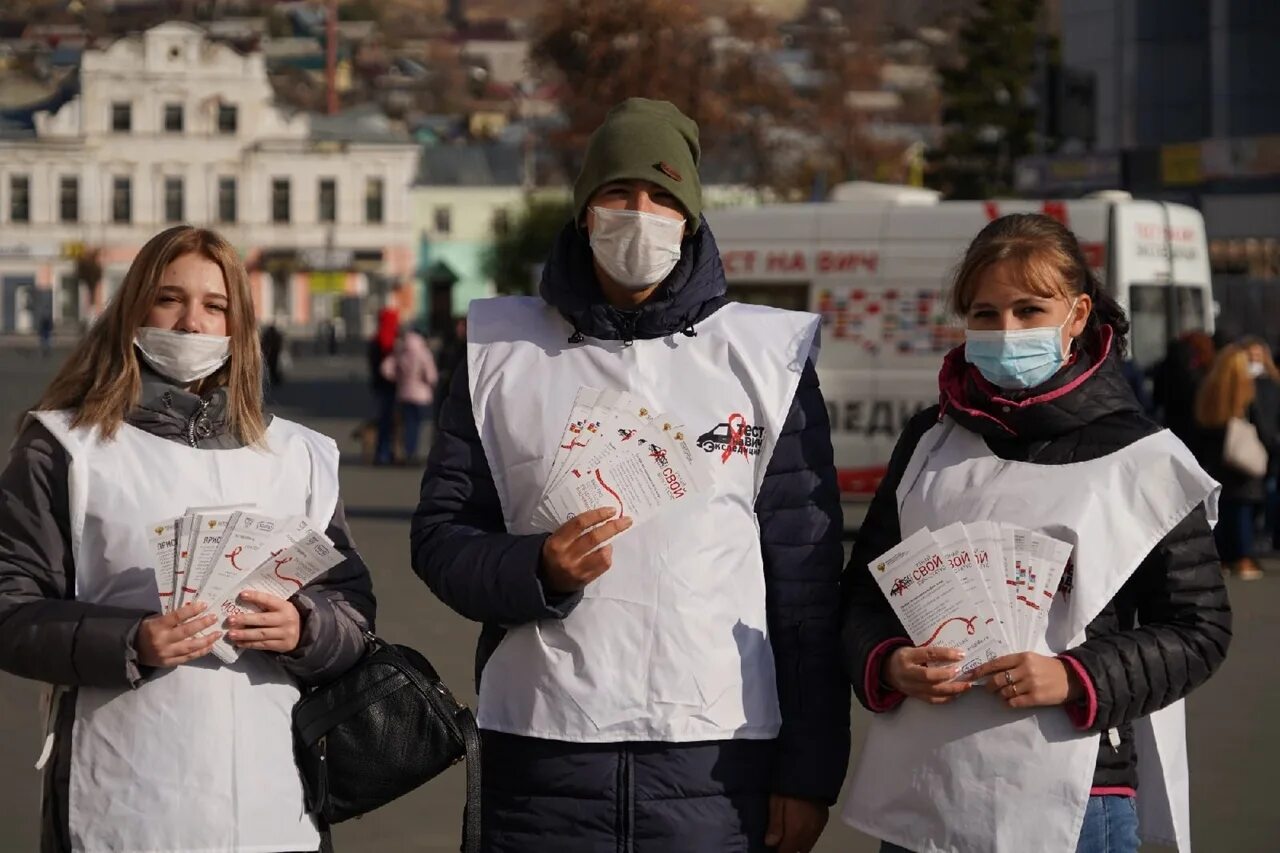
(158, 409)
(1240, 385)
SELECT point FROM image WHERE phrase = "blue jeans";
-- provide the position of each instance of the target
(411, 417)
(1110, 826)
(385, 451)
(1234, 533)
(1273, 512)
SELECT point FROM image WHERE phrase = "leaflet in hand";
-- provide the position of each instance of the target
(281, 574)
(615, 452)
(932, 601)
(227, 551)
(982, 587)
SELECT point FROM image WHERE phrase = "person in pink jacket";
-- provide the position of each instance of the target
(412, 367)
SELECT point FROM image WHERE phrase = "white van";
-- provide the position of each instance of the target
(877, 262)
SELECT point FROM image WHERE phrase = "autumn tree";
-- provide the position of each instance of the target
(525, 243)
(846, 58)
(989, 112)
(712, 69)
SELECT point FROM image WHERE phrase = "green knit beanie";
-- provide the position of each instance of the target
(644, 140)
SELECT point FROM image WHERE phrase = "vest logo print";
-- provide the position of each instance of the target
(733, 437)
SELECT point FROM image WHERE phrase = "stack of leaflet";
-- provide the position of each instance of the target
(616, 452)
(983, 587)
(213, 554)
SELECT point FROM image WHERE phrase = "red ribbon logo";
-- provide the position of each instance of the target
(737, 437)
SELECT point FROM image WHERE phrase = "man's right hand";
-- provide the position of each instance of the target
(923, 674)
(170, 639)
(573, 556)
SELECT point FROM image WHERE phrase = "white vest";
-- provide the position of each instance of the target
(672, 643)
(199, 757)
(974, 776)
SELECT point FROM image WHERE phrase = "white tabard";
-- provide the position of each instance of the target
(199, 757)
(974, 776)
(672, 643)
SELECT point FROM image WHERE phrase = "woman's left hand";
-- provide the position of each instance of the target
(278, 628)
(1029, 680)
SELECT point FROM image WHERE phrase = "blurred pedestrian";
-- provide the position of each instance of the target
(1230, 392)
(412, 367)
(1266, 378)
(453, 352)
(1175, 381)
(46, 334)
(272, 350)
(381, 346)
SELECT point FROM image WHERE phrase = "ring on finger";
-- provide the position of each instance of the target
(1015, 689)
(1008, 678)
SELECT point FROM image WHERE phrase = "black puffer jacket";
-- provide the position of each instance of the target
(1164, 633)
(460, 546)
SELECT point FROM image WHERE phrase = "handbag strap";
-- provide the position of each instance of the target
(471, 814)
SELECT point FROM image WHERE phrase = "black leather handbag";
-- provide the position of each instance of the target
(382, 729)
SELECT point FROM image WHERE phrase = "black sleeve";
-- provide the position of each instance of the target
(868, 621)
(458, 538)
(1183, 632)
(45, 634)
(337, 609)
(800, 536)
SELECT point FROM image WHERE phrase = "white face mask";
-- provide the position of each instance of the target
(1257, 369)
(637, 250)
(184, 357)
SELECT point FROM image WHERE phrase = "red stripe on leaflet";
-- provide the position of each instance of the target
(616, 496)
(860, 481)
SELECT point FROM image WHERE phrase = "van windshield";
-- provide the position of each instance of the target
(1157, 311)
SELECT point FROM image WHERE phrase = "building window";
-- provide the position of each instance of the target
(328, 200)
(19, 198)
(121, 117)
(373, 201)
(69, 198)
(444, 219)
(227, 118)
(174, 204)
(227, 200)
(173, 118)
(121, 200)
(501, 222)
(279, 199)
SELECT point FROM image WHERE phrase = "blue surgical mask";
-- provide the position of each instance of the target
(1020, 358)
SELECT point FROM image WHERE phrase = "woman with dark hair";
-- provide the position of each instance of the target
(1175, 381)
(1057, 747)
(151, 744)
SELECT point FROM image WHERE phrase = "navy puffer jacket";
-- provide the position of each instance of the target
(460, 546)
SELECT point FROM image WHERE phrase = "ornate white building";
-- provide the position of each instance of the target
(170, 127)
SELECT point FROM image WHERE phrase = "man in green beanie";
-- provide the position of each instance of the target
(679, 687)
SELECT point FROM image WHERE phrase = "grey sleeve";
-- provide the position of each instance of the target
(45, 634)
(337, 609)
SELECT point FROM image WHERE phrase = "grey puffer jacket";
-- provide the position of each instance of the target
(46, 635)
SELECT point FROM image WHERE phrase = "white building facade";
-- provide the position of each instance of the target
(170, 127)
